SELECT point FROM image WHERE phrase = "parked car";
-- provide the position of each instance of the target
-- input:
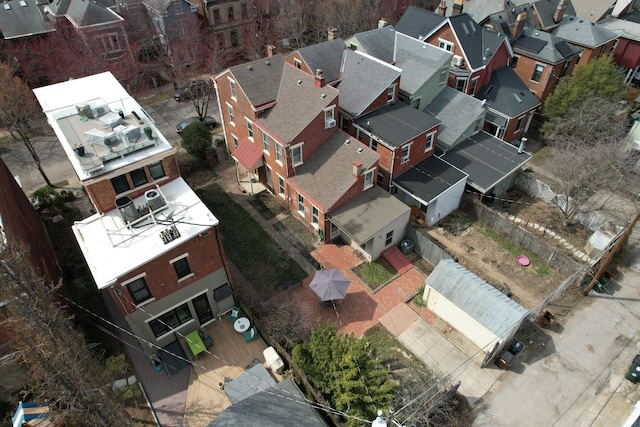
(195, 88)
(208, 121)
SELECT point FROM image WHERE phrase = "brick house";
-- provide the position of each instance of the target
(153, 246)
(626, 52)
(280, 125)
(227, 19)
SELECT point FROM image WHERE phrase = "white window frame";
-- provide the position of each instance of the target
(109, 42)
(405, 158)
(477, 126)
(431, 137)
(444, 76)
(445, 45)
(329, 119)
(391, 93)
(293, 149)
(232, 86)
(266, 147)
(281, 188)
(297, 63)
(368, 178)
(474, 84)
(520, 124)
(176, 259)
(315, 216)
(232, 120)
(464, 86)
(133, 279)
(300, 204)
(235, 141)
(279, 153)
(249, 128)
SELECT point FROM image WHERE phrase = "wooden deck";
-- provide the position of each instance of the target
(229, 357)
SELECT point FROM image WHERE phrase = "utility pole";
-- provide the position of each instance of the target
(615, 250)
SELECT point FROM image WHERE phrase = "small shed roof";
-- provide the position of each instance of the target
(487, 305)
(430, 178)
(507, 94)
(583, 32)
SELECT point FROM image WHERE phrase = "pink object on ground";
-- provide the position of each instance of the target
(523, 260)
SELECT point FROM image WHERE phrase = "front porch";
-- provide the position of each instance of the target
(229, 357)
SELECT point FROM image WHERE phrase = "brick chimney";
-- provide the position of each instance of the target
(271, 50)
(382, 22)
(442, 8)
(457, 7)
(518, 26)
(559, 13)
(357, 168)
(319, 78)
(332, 33)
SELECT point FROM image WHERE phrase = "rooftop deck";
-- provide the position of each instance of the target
(229, 357)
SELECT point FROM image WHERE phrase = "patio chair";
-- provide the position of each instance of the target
(206, 339)
(251, 334)
(235, 314)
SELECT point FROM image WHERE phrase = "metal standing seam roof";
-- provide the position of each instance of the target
(328, 174)
(248, 154)
(457, 112)
(299, 102)
(259, 80)
(364, 78)
(419, 61)
(364, 216)
(430, 178)
(418, 23)
(624, 29)
(21, 21)
(378, 42)
(326, 56)
(271, 407)
(506, 93)
(555, 50)
(486, 159)
(484, 303)
(397, 123)
(582, 32)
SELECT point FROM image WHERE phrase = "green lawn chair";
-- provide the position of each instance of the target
(235, 314)
(251, 334)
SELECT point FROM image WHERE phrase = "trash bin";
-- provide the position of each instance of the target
(633, 374)
(505, 359)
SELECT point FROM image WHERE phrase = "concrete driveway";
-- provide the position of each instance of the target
(574, 376)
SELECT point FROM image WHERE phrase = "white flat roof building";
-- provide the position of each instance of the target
(113, 248)
(100, 126)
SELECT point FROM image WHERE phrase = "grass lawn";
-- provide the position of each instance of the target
(541, 268)
(376, 273)
(262, 261)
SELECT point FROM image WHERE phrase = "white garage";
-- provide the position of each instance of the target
(476, 309)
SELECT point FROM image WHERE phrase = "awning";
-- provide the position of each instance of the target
(248, 155)
(495, 119)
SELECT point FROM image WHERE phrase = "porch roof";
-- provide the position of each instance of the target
(248, 155)
(429, 179)
(486, 159)
(367, 214)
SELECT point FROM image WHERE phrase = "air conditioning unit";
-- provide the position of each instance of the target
(127, 209)
(331, 123)
(458, 61)
(154, 200)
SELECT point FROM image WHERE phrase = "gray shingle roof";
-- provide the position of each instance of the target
(378, 42)
(484, 303)
(22, 21)
(419, 61)
(364, 78)
(397, 123)
(299, 102)
(260, 80)
(479, 10)
(363, 217)
(625, 29)
(486, 159)
(545, 9)
(430, 178)
(507, 94)
(456, 112)
(582, 32)
(503, 21)
(593, 10)
(478, 44)
(550, 52)
(418, 23)
(85, 13)
(328, 174)
(282, 403)
(326, 56)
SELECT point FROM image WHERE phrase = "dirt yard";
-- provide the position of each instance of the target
(493, 259)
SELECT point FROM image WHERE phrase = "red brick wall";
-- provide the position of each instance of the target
(548, 81)
(627, 53)
(381, 100)
(205, 257)
(103, 196)
(304, 67)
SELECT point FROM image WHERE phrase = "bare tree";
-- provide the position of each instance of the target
(18, 108)
(63, 370)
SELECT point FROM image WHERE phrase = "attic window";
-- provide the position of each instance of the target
(23, 3)
(517, 97)
(6, 6)
(465, 28)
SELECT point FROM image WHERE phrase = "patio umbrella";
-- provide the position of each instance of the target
(329, 285)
